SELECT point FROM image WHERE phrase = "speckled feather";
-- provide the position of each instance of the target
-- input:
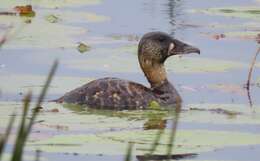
(114, 93)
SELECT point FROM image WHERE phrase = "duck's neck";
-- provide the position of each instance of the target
(154, 72)
(162, 88)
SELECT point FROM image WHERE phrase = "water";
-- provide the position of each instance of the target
(137, 18)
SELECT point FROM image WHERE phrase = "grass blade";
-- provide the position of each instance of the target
(4, 140)
(174, 129)
(156, 141)
(42, 95)
(128, 155)
(9, 34)
(19, 143)
(25, 130)
(37, 156)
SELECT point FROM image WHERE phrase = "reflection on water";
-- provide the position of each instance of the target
(174, 7)
(170, 11)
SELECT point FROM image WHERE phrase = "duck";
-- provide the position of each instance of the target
(114, 93)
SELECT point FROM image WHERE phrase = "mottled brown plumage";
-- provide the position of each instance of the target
(114, 93)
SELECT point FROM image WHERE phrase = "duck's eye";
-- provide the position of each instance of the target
(161, 39)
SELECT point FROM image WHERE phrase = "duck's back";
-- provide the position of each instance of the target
(112, 93)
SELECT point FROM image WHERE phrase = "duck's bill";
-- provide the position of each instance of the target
(181, 48)
(190, 49)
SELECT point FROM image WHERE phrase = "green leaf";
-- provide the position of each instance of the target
(52, 18)
(82, 48)
(153, 105)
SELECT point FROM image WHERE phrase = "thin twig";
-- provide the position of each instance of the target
(8, 14)
(250, 76)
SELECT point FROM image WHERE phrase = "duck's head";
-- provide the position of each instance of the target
(156, 47)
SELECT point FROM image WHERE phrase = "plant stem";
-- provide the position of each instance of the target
(174, 130)
(250, 75)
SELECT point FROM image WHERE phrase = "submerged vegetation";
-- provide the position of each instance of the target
(25, 126)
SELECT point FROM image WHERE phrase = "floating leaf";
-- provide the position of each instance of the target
(154, 105)
(127, 49)
(240, 12)
(52, 18)
(15, 84)
(82, 48)
(27, 157)
(245, 35)
(230, 88)
(188, 141)
(193, 65)
(26, 10)
(104, 129)
(258, 82)
(114, 59)
(33, 35)
(129, 37)
(49, 3)
(78, 17)
(208, 113)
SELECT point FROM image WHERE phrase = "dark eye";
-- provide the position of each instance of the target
(161, 39)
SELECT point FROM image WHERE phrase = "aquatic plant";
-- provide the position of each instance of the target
(25, 127)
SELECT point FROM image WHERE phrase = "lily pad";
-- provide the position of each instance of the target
(250, 25)
(53, 34)
(245, 35)
(127, 49)
(118, 62)
(52, 18)
(105, 129)
(240, 12)
(187, 141)
(27, 157)
(33, 35)
(229, 88)
(14, 84)
(193, 65)
(82, 48)
(235, 114)
(129, 37)
(49, 3)
(75, 17)
(81, 119)
(81, 17)
(258, 82)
